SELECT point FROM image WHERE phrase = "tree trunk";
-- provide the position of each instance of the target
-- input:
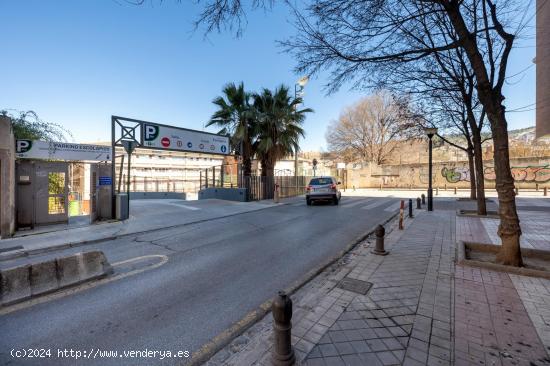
(480, 174)
(247, 158)
(491, 98)
(508, 229)
(473, 177)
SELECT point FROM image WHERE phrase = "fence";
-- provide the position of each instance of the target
(261, 188)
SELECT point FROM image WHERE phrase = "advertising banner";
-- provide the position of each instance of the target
(180, 139)
(36, 149)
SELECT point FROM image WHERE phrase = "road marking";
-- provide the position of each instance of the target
(392, 208)
(88, 285)
(189, 207)
(354, 202)
(375, 204)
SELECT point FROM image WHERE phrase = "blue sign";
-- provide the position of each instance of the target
(189, 145)
(105, 181)
(223, 148)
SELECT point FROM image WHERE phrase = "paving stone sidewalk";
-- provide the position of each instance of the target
(421, 309)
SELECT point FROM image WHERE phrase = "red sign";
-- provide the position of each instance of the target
(165, 141)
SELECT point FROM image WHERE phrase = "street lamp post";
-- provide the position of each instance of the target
(298, 90)
(430, 132)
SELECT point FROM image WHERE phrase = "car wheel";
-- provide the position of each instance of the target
(308, 202)
(335, 200)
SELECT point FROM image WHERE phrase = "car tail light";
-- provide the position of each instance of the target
(333, 186)
(308, 188)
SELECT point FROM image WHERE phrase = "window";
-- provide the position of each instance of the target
(320, 181)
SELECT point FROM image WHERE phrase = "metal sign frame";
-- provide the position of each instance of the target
(128, 131)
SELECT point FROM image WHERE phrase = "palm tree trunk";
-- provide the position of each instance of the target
(247, 158)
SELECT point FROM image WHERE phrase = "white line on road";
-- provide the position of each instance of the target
(375, 204)
(189, 207)
(354, 202)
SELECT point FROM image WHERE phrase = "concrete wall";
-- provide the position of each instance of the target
(7, 178)
(229, 194)
(157, 195)
(528, 173)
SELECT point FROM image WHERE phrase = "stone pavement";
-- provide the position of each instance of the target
(534, 221)
(421, 309)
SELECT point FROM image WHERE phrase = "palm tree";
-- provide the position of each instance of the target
(236, 115)
(278, 126)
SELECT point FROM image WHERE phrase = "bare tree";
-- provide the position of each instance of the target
(353, 39)
(356, 39)
(370, 128)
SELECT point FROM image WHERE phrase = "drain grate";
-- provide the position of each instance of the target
(353, 285)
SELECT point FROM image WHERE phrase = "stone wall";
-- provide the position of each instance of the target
(527, 172)
(7, 178)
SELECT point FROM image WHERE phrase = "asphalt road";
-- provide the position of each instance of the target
(217, 271)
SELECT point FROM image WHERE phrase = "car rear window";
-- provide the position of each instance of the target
(320, 181)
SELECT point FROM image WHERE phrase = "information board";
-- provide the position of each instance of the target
(180, 139)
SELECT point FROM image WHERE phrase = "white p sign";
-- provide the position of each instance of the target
(22, 146)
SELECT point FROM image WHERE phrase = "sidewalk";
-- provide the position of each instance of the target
(421, 309)
(146, 215)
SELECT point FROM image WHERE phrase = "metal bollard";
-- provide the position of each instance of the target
(455, 190)
(517, 191)
(423, 199)
(537, 187)
(401, 211)
(276, 194)
(410, 207)
(283, 353)
(379, 249)
(445, 186)
(380, 186)
(545, 191)
(418, 207)
(437, 191)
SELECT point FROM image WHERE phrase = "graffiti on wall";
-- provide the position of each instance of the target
(527, 174)
(455, 175)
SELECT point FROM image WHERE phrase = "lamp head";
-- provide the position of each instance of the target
(430, 131)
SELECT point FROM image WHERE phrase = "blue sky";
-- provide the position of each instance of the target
(79, 62)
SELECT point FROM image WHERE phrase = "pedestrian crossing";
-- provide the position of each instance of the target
(364, 203)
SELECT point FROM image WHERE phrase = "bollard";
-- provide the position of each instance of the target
(423, 199)
(379, 232)
(517, 191)
(437, 191)
(418, 207)
(455, 190)
(545, 191)
(445, 186)
(276, 193)
(401, 209)
(380, 186)
(410, 207)
(283, 353)
(537, 187)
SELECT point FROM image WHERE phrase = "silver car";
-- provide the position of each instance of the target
(323, 189)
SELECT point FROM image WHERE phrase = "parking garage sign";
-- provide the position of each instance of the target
(35, 149)
(172, 138)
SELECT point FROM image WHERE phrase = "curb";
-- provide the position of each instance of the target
(26, 253)
(462, 259)
(224, 338)
(26, 281)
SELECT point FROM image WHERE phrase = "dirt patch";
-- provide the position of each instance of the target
(535, 263)
(473, 213)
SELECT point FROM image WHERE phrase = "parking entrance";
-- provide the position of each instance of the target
(61, 192)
